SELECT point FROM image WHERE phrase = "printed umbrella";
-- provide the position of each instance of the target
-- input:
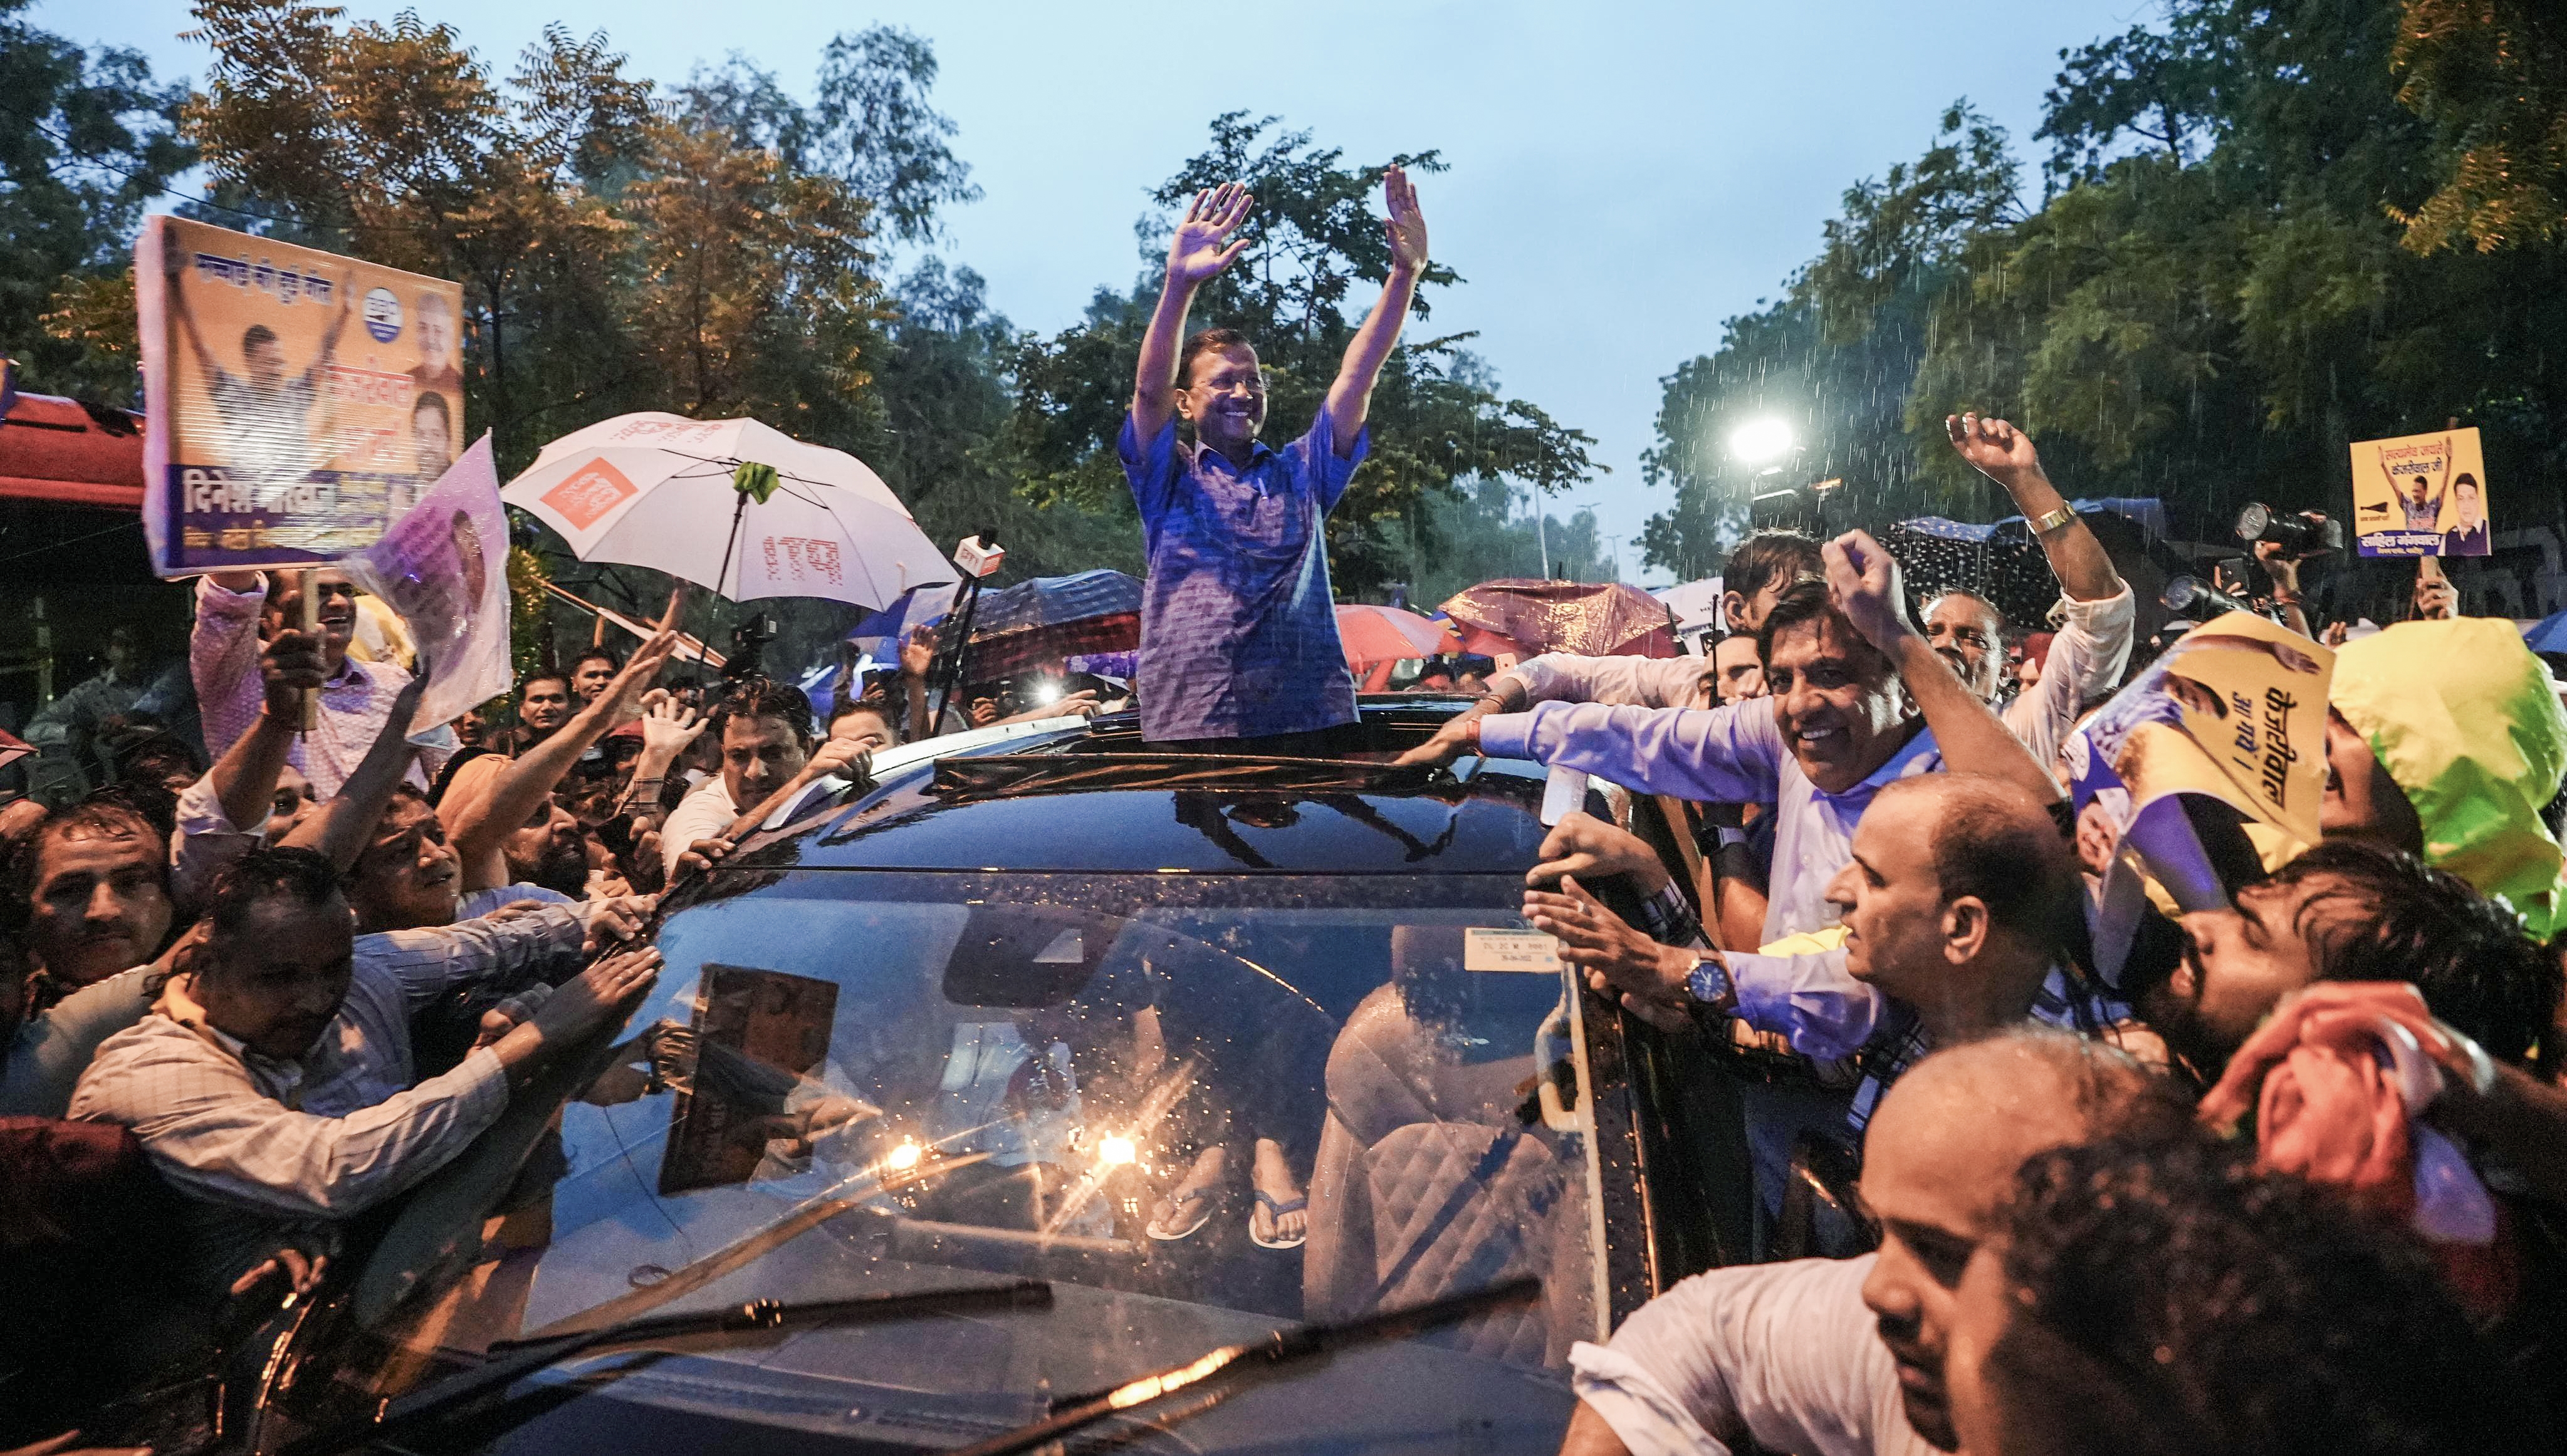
(1386, 634)
(1046, 618)
(1592, 618)
(731, 505)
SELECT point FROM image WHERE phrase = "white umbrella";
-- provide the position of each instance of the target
(658, 490)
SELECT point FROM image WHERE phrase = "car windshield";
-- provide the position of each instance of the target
(1202, 1106)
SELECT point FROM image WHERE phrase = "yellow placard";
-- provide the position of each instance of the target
(2421, 495)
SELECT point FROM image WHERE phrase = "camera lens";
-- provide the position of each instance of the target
(2252, 521)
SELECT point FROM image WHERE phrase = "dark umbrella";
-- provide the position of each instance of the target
(1048, 618)
(1594, 619)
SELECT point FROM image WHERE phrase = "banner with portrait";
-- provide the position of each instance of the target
(2205, 767)
(2421, 495)
(300, 401)
(443, 567)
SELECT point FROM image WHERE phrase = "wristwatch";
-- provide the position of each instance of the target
(1709, 982)
(2050, 521)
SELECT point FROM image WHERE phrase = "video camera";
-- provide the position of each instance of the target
(2310, 533)
(747, 655)
(2185, 593)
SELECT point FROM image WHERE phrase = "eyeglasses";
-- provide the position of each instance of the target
(1254, 388)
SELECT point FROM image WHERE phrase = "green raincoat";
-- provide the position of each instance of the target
(2464, 719)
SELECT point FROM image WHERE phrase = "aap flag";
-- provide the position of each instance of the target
(301, 402)
(2207, 767)
(443, 566)
(2421, 495)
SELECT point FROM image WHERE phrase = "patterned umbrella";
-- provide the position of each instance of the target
(1386, 634)
(1592, 618)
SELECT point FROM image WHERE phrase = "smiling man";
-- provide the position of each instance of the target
(1239, 637)
(271, 1082)
(235, 610)
(1844, 1357)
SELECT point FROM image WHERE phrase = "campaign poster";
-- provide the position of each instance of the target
(2421, 495)
(2204, 768)
(299, 401)
(444, 567)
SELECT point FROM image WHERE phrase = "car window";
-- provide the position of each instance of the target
(859, 1083)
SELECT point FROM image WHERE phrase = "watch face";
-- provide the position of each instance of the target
(1709, 981)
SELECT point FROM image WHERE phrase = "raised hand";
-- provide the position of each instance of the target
(1994, 449)
(1863, 581)
(668, 725)
(292, 661)
(1407, 225)
(918, 651)
(1196, 253)
(623, 698)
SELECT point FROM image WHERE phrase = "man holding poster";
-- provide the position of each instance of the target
(2421, 495)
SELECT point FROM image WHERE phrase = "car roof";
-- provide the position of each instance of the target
(1093, 797)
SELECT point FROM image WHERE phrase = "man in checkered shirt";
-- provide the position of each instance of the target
(271, 1081)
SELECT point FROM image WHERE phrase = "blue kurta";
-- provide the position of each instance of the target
(1239, 630)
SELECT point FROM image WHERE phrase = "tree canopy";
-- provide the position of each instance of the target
(2242, 260)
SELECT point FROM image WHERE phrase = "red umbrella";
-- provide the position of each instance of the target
(1592, 618)
(1386, 634)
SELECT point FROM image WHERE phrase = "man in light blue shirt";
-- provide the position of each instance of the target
(1239, 630)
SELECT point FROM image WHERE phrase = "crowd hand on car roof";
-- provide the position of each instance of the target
(614, 919)
(1591, 849)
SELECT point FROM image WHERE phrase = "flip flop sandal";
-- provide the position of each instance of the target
(1276, 1211)
(1200, 1196)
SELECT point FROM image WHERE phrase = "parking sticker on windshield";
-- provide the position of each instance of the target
(1510, 950)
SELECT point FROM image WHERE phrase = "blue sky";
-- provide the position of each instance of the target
(1623, 176)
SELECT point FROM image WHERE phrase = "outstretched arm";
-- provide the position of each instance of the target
(2005, 455)
(340, 828)
(173, 268)
(1350, 397)
(1862, 577)
(338, 323)
(1193, 256)
(481, 828)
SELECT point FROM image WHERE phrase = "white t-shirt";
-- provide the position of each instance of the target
(706, 812)
(1786, 1350)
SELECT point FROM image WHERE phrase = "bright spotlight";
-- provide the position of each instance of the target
(1115, 1151)
(902, 1159)
(1757, 441)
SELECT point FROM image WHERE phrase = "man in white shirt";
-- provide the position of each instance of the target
(271, 1082)
(1844, 1357)
(765, 732)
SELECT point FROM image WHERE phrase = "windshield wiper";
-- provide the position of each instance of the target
(514, 1359)
(1282, 1349)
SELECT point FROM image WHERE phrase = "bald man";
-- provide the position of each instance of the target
(1835, 1357)
(1960, 893)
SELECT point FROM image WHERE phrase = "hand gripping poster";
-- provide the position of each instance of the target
(2421, 495)
(2208, 766)
(299, 401)
(443, 567)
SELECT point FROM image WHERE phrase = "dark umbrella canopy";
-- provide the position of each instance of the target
(1594, 619)
(1055, 602)
(1046, 618)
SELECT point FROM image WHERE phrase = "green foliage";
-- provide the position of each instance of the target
(1316, 253)
(89, 139)
(2491, 77)
(2217, 294)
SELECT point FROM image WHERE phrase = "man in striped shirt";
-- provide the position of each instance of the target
(271, 1081)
